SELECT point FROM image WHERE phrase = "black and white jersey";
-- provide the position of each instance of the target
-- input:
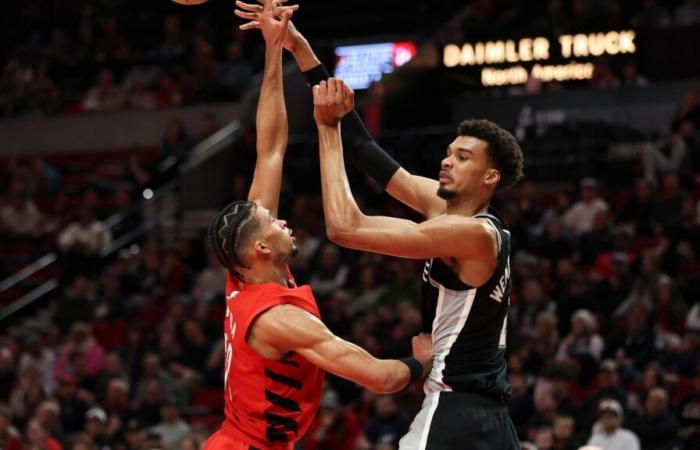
(468, 325)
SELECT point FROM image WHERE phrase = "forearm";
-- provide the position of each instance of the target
(340, 210)
(271, 117)
(381, 376)
(304, 55)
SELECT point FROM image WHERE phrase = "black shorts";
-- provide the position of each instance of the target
(457, 421)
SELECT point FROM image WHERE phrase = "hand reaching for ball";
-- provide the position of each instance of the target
(271, 17)
(332, 100)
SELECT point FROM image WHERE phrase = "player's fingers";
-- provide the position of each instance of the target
(316, 91)
(249, 6)
(246, 15)
(282, 9)
(323, 92)
(250, 25)
(339, 92)
(286, 15)
(349, 97)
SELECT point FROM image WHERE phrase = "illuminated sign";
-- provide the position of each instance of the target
(538, 49)
(360, 65)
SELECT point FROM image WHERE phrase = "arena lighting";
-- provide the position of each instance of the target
(360, 65)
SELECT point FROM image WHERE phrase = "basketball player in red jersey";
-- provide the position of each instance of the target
(277, 348)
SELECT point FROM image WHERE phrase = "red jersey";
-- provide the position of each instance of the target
(269, 403)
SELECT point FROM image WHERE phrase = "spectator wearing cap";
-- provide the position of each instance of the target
(580, 217)
(171, 429)
(9, 436)
(334, 428)
(96, 427)
(608, 432)
(657, 428)
(608, 386)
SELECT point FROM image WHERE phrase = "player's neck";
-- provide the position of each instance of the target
(468, 206)
(267, 273)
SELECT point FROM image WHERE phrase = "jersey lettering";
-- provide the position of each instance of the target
(500, 289)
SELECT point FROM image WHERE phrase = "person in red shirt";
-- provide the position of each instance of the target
(276, 347)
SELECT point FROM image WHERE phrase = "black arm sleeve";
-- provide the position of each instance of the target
(361, 149)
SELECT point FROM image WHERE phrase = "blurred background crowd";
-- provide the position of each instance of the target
(126, 352)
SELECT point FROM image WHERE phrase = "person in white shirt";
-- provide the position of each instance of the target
(579, 218)
(608, 433)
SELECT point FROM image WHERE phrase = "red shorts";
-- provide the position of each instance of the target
(224, 441)
(221, 441)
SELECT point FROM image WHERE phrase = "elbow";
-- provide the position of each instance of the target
(340, 230)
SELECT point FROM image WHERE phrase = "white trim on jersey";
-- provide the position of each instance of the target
(428, 422)
(468, 302)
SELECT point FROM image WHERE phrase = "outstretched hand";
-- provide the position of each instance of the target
(332, 100)
(272, 18)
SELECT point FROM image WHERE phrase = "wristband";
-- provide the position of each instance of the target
(316, 75)
(415, 367)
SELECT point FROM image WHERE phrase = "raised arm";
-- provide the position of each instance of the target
(289, 328)
(417, 192)
(443, 236)
(271, 117)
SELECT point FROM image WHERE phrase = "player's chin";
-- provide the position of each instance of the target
(294, 250)
(445, 193)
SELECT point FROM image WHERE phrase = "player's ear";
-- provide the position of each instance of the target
(492, 178)
(261, 249)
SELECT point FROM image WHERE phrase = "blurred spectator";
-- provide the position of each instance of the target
(638, 209)
(608, 432)
(583, 341)
(580, 217)
(81, 356)
(10, 439)
(636, 345)
(657, 428)
(235, 72)
(96, 427)
(330, 273)
(75, 306)
(105, 95)
(388, 424)
(37, 437)
(171, 429)
(631, 76)
(82, 243)
(19, 215)
(533, 302)
(334, 428)
(608, 387)
(688, 13)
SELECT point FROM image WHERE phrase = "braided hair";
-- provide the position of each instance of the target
(230, 230)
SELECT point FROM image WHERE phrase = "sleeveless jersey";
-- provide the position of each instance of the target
(468, 325)
(269, 404)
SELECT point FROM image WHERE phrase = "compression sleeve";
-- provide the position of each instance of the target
(361, 149)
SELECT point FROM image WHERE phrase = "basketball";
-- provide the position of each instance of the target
(190, 2)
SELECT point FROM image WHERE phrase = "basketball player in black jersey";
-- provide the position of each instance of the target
(466, 281)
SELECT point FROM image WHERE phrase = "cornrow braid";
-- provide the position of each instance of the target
(225, 231)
